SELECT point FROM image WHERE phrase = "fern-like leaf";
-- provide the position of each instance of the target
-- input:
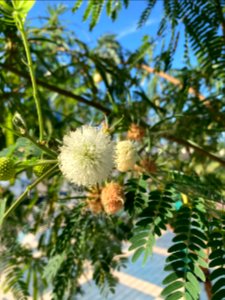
(53, 266)
(217, 257)
(77, 5)
(140, 53)
(187, 256)
(96, 12)
(145, 14)
(150, 223)
(136, 195)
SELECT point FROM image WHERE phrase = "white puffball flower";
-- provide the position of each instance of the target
(126, 156)
(86, 156)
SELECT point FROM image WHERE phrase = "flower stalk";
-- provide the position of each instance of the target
(20, 27)
(27, 190)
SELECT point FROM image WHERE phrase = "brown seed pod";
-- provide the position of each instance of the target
(112, 198)
(135, 132)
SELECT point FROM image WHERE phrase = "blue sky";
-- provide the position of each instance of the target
(125, 27)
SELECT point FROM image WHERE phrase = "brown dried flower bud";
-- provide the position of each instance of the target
(135, 132)
(112, 197)
(94, 201)
(146, 165)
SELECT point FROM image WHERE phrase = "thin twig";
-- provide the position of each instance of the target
(27, 190)
(41, 146)
(59, 90)
(192, 145)
(174, 81)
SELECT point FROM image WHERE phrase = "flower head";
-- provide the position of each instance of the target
(126, 156)
(86, 156)
(112, 197)
(135, 132)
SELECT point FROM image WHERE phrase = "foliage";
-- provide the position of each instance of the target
(150, 223)
(216, 242)
(94, 9)
(187, 254)
(53, 82)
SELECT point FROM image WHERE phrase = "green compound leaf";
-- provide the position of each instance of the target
(152, 218)
(77, 5)
(19, 9)
(184, 263)
(6, 7)
(53, 266)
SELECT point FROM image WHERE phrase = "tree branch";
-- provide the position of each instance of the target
(216, 115)
(192, 145)
(58, 90)
(174, 81)
(107, 111)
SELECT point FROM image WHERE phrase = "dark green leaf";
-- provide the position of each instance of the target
(219, 295)
(217, 273)
(172, 277)
(218, 285)
(177, 247)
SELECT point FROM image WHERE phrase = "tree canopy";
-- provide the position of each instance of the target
(147, 139)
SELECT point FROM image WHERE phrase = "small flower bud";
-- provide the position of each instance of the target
(7, 168)
(94, 201)
(112, 197)
(39, 170)
(148, 165)
(135, 132)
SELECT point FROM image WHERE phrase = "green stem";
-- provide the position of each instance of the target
(27, 190)
(72, 198)
(41, 162)
(26, 135)
(20, 27)
(42, 147)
